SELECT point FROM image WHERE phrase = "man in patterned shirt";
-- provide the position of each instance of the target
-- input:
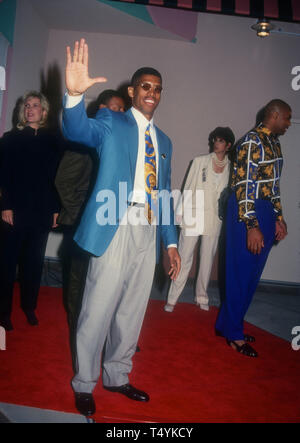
(254, 220)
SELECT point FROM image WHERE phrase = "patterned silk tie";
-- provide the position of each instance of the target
(150, 177)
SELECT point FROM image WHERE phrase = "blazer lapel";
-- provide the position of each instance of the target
(162, 156)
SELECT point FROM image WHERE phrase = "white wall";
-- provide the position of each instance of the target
(284, 260)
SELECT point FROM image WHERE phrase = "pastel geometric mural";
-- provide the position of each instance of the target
(176, 21)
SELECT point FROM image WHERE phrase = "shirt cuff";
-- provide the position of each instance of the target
(172, 245)
(251, 223)
(72, 100)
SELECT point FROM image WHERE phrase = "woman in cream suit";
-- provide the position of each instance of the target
(209, 173)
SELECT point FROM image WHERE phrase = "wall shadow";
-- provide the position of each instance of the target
(52, 89)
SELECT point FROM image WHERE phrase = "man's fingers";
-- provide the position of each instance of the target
(82, 48)
(173, 273)
(174, 269)
(7, 219)
(75, 54)
(99, 80)
(249, 245)
(85, 53)
(255, 247)
(69, 57)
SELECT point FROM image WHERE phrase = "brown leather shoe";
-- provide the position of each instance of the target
(85, 403)
(130, 392)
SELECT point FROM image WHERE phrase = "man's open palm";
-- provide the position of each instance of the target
(77, 75)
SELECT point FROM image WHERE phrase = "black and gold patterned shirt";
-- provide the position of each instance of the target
(256, 173)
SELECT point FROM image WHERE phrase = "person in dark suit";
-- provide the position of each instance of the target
(74, 180)
(135, 167)
(30, 204)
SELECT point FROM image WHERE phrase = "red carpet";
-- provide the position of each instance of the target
(190, 375)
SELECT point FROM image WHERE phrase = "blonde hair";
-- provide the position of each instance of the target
(22, 123)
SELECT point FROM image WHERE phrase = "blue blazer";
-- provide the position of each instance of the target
(115, 137)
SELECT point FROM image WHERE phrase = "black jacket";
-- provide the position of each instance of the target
(27, 171)
(74, 181)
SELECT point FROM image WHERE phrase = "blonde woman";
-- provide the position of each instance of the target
(29, 204)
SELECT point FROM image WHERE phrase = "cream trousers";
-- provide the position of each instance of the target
(186, 249)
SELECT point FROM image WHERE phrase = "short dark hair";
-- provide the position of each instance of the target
(275, 105)
(221, 132)
(143, 71)
(106, 96)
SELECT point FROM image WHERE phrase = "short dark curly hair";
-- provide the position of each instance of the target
(144, 71)
(106, 96)
(221, 132)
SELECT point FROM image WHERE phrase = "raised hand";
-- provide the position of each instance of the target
(77, 75)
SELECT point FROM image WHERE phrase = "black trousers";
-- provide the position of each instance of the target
(75, 262)
(23, 246)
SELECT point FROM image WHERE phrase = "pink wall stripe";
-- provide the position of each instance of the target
(296, 9)
(5, 93)
(185, 4)
(271, 8)
(242, 7)
(214, 5)
(177, 21)
(156, 2)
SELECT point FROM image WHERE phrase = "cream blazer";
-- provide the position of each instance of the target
(201, 177)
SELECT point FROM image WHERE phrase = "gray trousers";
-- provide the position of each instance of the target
(116, 294)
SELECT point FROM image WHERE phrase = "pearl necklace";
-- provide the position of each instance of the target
(220, 163)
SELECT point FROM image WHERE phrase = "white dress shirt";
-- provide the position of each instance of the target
(139, 193)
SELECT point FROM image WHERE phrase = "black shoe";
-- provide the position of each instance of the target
(130, 392)
(249, 338)
(85, 404)
(31, 318)
(6, 323)
(244, 349)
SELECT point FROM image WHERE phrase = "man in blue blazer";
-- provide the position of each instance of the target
(127, 215)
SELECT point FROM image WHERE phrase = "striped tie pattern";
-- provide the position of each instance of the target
(150, 177)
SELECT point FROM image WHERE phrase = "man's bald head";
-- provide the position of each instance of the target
(276, 105)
